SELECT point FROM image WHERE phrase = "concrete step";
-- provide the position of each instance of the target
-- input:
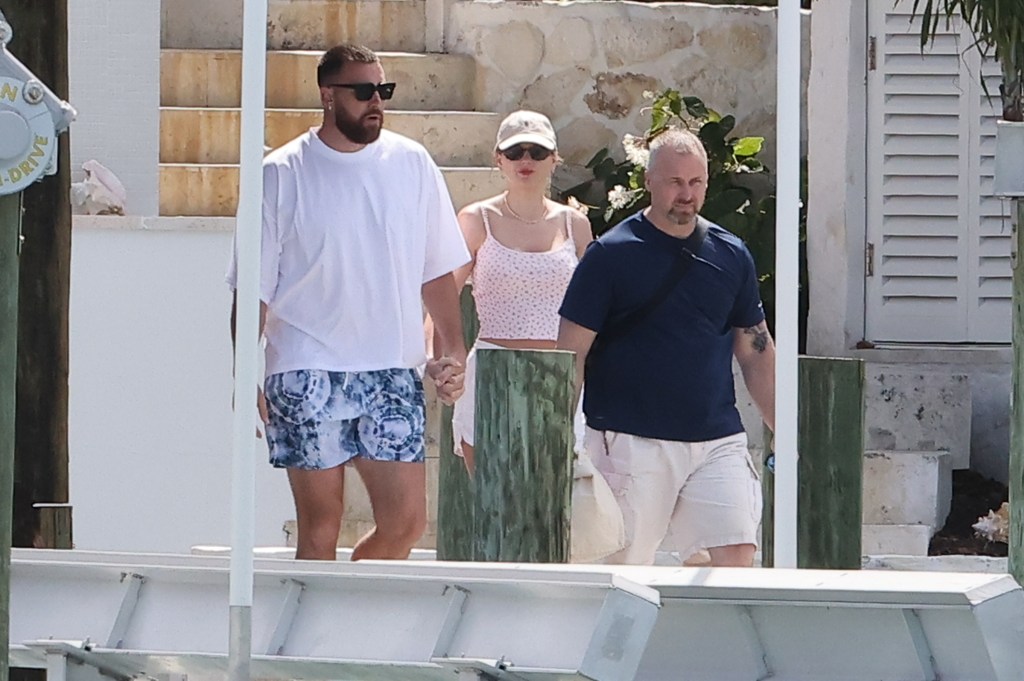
(907, 488)
(900, 540)
(212, 78)
(918, 411)
(298, 24)
(204, 135)
(212, 190)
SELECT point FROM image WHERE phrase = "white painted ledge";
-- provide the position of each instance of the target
(153, 223)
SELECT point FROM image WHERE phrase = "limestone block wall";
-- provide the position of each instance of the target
(587, 64)
(387, 25)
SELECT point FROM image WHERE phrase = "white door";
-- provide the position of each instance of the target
(937, 244)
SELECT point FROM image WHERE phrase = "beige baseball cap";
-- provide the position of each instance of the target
(527, 127)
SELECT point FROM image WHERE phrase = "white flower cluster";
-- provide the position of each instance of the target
(636, 150)
(620, 197)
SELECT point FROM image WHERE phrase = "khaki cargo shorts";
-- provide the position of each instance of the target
(689, 495)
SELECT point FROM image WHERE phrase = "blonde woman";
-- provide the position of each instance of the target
(525, 248)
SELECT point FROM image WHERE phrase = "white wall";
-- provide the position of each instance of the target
(150, 391)
(114, 83)
(836, 128)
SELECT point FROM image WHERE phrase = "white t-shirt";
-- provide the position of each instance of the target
(348, 240)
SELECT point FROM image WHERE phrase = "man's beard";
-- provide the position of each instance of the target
(358, 130)
(683, 214)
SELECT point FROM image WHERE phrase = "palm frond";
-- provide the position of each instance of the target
(998, 30)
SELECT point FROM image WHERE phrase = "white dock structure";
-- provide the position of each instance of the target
(90, 615)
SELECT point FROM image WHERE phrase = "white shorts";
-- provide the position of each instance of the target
(689, 495)
(464, 413)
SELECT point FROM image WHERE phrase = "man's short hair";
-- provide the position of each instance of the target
(334, 60)
(679, 140)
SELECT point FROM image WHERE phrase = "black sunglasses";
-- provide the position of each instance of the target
(364, 91)
(516, 151)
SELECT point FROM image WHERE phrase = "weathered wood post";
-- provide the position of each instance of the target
(1016, 553)
(41, 472)
(454, 487)
(10, 238)
(831, 442)
(54, 526)
(524, 448)
(454, 498)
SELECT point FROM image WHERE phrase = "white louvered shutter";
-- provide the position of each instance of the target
(989, 313)
(940, 261)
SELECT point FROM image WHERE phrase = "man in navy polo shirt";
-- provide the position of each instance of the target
(662, 423)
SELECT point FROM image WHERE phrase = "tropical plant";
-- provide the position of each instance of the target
(739, 198)
(733, 199)
(998, 30)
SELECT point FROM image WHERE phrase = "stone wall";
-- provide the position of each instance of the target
(587, 64)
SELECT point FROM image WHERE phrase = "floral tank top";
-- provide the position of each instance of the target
(518, 293)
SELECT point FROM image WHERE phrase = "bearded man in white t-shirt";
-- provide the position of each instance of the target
(359, 234)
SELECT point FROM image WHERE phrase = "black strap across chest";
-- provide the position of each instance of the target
(618, 327)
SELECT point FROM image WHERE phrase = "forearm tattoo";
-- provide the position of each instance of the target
(758, 337)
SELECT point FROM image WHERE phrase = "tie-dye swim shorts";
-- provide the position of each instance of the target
(322, 419)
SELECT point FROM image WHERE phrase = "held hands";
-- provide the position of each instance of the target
(448, 375)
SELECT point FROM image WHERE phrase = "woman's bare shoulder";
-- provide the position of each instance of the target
(475, 210)
(581, 230)
(471, 219)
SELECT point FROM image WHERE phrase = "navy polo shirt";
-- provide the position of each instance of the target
(670, 377)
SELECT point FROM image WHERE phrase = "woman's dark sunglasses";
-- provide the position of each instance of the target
(516, 151)
(364, 91)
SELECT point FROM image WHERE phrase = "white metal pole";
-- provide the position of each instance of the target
(247, 233)
(787, 281)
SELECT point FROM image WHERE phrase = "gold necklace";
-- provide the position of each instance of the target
(519, 217)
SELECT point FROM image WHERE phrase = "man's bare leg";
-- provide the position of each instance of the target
(319, 502)
(734, 555)
(398, 495)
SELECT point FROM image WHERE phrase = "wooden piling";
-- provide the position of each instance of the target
(10, 234)
(1016, 464)
(454, 487)
(831, 446)
(454, 499)
(524, 443)
(54, 526)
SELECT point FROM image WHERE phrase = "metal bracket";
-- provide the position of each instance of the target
(485, 670)
(61, 112)
(753, 640)
(285, 618)
(456, 607)
(920, 641)
(73, 661)
(31, 117)
(131, 585)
